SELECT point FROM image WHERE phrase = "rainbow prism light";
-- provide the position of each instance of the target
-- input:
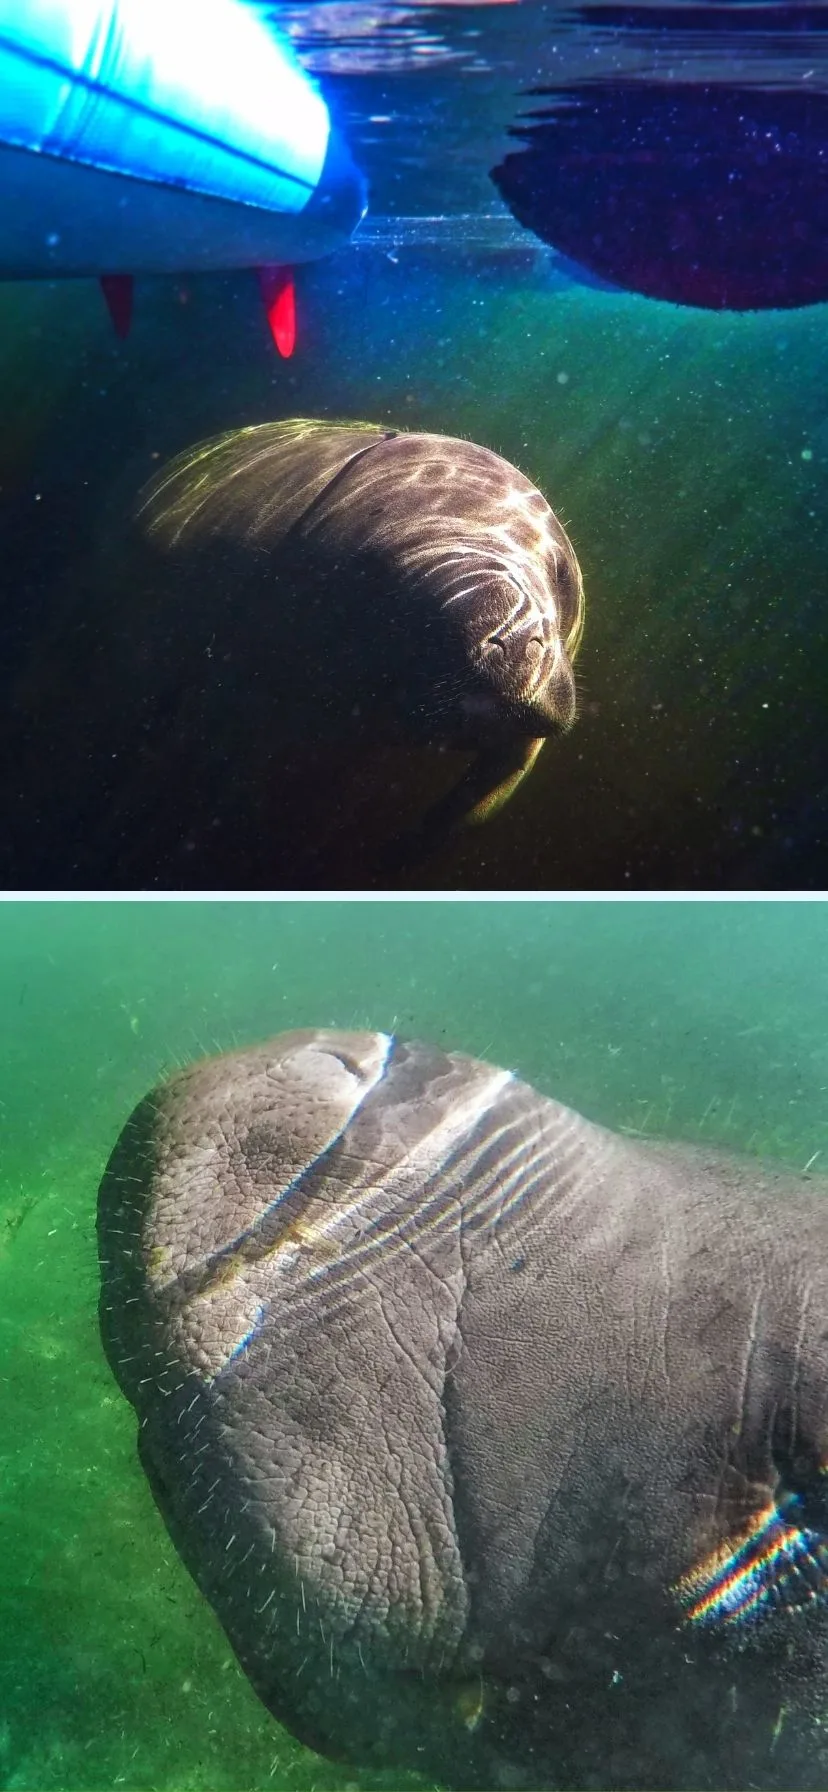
(776, 1563)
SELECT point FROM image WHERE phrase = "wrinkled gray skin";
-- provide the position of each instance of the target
(442, 1389)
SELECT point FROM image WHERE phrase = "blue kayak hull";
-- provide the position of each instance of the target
(143, 136)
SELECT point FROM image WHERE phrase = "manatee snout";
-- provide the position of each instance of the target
(527, 686)
(517, 617)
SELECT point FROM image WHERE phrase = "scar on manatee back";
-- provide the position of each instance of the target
(465, 592)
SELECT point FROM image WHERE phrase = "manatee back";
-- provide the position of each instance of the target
(241, 1233)
(495, 1440)
(250, 485)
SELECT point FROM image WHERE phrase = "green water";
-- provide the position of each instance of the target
(698, 1021)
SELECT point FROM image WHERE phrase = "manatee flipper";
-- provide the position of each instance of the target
(484, 788)
(496, 774)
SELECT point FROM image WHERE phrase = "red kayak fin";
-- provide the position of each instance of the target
(279, 294)
(117, 289)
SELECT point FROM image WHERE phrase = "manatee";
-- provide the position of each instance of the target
(298, 582)
(438, 575)
(496, 1440)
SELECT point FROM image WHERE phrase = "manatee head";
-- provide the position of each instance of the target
(481, 555)
(519, 651)
(521, 616)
